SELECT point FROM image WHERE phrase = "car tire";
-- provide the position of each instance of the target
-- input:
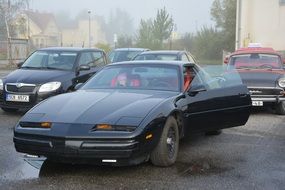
(280, 108)
(166, 151)
(9, 110)
(213, 133)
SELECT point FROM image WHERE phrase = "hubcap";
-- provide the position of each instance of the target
(171, 142)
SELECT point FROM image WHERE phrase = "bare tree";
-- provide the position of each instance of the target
(8, 12)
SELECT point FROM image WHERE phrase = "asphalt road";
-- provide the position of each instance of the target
(248, 157)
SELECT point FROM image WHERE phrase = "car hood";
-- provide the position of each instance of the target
(260, 78)
(117, 107)
(31, 76)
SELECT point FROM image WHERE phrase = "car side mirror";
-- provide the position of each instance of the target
(195, 89)
(84, 68)
(78, 86)
(19, 65)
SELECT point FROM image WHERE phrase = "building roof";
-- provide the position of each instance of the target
(40, 19)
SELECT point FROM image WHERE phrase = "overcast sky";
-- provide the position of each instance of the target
(189, 15)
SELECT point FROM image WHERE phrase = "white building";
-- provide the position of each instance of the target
(261, 21)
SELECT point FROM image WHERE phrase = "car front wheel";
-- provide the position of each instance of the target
(166, 151)
(280, 108)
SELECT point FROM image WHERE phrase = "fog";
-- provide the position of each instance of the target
(188, 15)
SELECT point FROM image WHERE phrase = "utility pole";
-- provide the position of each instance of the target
(28, 23)
(238, 24)
(8, 33)
(89, 36)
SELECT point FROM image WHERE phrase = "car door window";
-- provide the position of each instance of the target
(85, 58)
(98, 59)
(198, 76)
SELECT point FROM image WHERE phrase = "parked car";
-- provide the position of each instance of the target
(167, 55)
(124, 54)
(48, 72)
(131, 111)
(262, 70)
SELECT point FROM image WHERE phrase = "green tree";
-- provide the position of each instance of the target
(224, 14)
(186, 42)
(124, 41)
(208, 44)
(145, 38)
(153, 33)
(162, 26)
(106, 47)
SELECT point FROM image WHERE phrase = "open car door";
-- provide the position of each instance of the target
(215, 103)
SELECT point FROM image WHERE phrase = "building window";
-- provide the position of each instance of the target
(282, 2)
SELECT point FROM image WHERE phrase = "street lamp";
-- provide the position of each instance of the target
(89, 36)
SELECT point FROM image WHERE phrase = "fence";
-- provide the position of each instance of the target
(19, 49)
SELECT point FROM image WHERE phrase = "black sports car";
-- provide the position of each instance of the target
(130, 112)
(48, 72)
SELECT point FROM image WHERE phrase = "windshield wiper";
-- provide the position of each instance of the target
(28, 67)
(265, 66)
(54, 68)
(245, 67)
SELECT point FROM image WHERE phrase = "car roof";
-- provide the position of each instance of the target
(172, 52)
(70, 49)
(265, 50)
(153, 62)
(131, 49)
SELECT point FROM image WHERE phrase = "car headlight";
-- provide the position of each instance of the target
(281, 82)
(1, 84)
(50, 86)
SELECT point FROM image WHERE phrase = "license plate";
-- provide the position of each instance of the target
(257, 103)
(17, 98)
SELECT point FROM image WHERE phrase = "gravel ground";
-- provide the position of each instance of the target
(248, 157)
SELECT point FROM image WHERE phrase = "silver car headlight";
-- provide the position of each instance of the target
(281, 82)
(1, 84)
(50, 86)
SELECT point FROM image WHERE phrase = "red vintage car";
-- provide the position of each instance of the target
(262, 70)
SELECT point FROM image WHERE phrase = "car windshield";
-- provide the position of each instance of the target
(255, 61)
(118, 56)
(58, 60)
(167, 57)
(143, 77)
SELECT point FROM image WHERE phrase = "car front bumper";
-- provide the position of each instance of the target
(275, 99)
(34, 98)
(86, 149)
(267, 94)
